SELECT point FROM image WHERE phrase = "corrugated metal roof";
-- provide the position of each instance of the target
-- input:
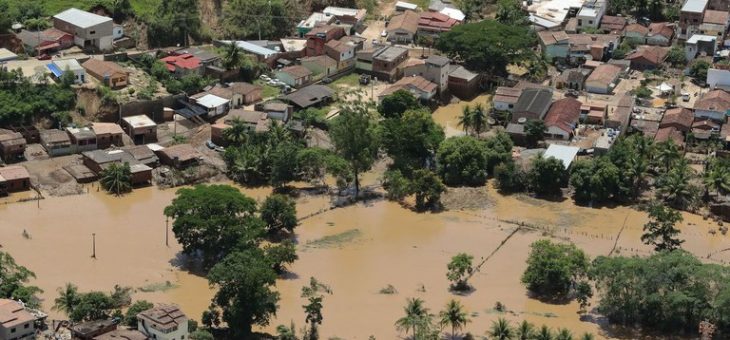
(252, 48)
(81, 18)
(563, 153)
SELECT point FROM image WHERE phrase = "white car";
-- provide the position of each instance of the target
(384, 33)
(264, 77)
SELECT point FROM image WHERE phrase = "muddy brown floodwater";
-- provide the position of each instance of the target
(448, 116)
(356, 250)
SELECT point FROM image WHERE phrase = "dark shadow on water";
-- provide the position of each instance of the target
(462, 292)
(188, 264)
(552, 300)
(287, 275)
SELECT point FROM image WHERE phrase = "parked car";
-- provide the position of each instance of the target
(364, 79)
(264, 77)
(209, 143)
(384, 33)
(326, 80)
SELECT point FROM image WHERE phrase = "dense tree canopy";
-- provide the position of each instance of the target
(21, 100)
(462, 161)
(174, 21)
(546, 176)
(595, 180)
(14, 281)
(279, 213)
(660, 231)
(396, 103)
(411, 140)
(487, 46)
(258, 19)
(553, 269)
(211, 220)
(355, 138)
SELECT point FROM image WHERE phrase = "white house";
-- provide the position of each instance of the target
(718, 78)
(164, 322)
(699, 43)
(591, 13)
(215, 105)
(59, 67)
(88, 29)
(564, 153)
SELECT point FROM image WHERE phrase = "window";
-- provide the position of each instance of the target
(590, 22)
(92, 32)
(12, 330)
(26, 325)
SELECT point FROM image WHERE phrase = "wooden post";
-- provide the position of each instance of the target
(93, 245)
(167, 227)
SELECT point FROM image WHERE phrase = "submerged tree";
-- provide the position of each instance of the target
(454, 316)
(117, 178)
(415, 313)
(460, 269)
(501, 330)
(660, 231)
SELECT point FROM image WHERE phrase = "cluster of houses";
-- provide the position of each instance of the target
(162, 322)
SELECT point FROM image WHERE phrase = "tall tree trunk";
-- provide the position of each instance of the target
(357, 184)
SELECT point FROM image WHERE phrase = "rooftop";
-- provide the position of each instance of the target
(185, 61)
(695, 6)
(211, 101)
(389, 53)
(680, 116)
(407, 21)
(534, 101)
(717, 100)
(715, 17)
(103, 68)
(563, 114)
(183, 153)
(298, 71)
(412, 84)
(700, 37)
(68, 64)
(81, 133)
(10, 173)
(122, 334)
(54, 136)
(462, 73)
(13, 313)
(565, 154)
(604, 74)
(250, 117)
(108, 156)
(342, 11)
(310, 95)
(82, 19)
(314, 19)
(252, 48)
(438, 60)
(507, 94)
(139, 121)
(554, 11)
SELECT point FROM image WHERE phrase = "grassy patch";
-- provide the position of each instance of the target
(157, 287)
(336, 240)
(423, 4)
(144, 8)
(350, 80)
(141, 8)
(268, 90)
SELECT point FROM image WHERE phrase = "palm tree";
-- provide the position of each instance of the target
(237, 133)
(465, 120)
(666, 154)
(415, 313)
(675, 186)
(525, 331)
(454, 316)
(717, 178)
(587, 336)
(501, 330)
(117, 178)
(564, 334)
(231, 56)
(68, 298)
(478, 118)
(544, 334)
(636, 172)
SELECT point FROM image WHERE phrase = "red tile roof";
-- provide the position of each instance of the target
(677, 116)
(669, 133)
(664, 29)
(184, 61)
(563, 114)
(297, 71)
(637, 28)
(653, 54)
(612, 23)
(717, 100)
(408, 21)
(715, 17)
(436, 21)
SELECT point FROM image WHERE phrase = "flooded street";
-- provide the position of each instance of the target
(448, 116)
(357, 250)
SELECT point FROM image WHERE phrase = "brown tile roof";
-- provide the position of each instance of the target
(341, 45)
(323, 29)
(244, 88)
(408, 21)
(13, 314)
(677, 116)
(563, 114)
(584, 42)
(613, 23)
(107, 129)
(416, 82)
(102, 68)
(664, 29)
(182, 152)
(716, 17)
(55, 136)
(705, 124)
(8, 138)
(637, 28)
(507, 94)
(250, 117)
(550, 38)
(669, 133)
(717, 100)
(298, 71)
(653, 54)
(122, 334)
(323, 61)
(604, 74)
(164, 317)
(436, 21)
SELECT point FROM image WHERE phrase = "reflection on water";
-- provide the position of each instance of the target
(392, 246)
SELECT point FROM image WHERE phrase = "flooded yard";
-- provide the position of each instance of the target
(357, 250)
(448, 116)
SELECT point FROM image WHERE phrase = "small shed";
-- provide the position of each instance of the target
(14, 178)
(564, 153)
(179, 156)
(140, 128)
(107, 134)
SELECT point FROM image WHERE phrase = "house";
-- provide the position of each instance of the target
(320, 65)
(437, 70)
(122, 334)
(6, 55)
(591, 46)
(346, 16)
(206, 57)
(669, 133)
(718, 78)
(452, 12)
(342, 52)
(435, 23)
(532, 104)
(419, 86)
(648, 57)
(263, 54)
(705, 128)
(89, 330)
(277, 110)
(321, 35)
(505, 98)
(12, 146)
(551, 14)
(715, 23)
(562, 118)
(12, 179)
(593, 113)
(636, 33)
(143, 154)
(679, 118)
(619, 115)
(99, 160)
(403, 27)
(699, 44)
(255, 121)
(564, 153)
(140, 128)
(603, 79)
(612, 24)
(402, 6)
(56, 142)
(183, 64)
(690, 17)
(660, 34)
(15, 321)
(314, 19)
(714, 105)
(294, 76)
(312, 95)
(107, 134)
(47, 41)
(413, 67)
(590, 14)
(648, 128)
(554, 44)
(383, 63)
(89, 30)
(463, 83)
(718, 5)
(213, 105)
(572, 78)
(245, 93)
(59, 67)
(82, 139)
(108, 73)
(179, 156)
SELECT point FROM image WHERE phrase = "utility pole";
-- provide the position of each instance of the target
(167, 232)
(93, 245)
